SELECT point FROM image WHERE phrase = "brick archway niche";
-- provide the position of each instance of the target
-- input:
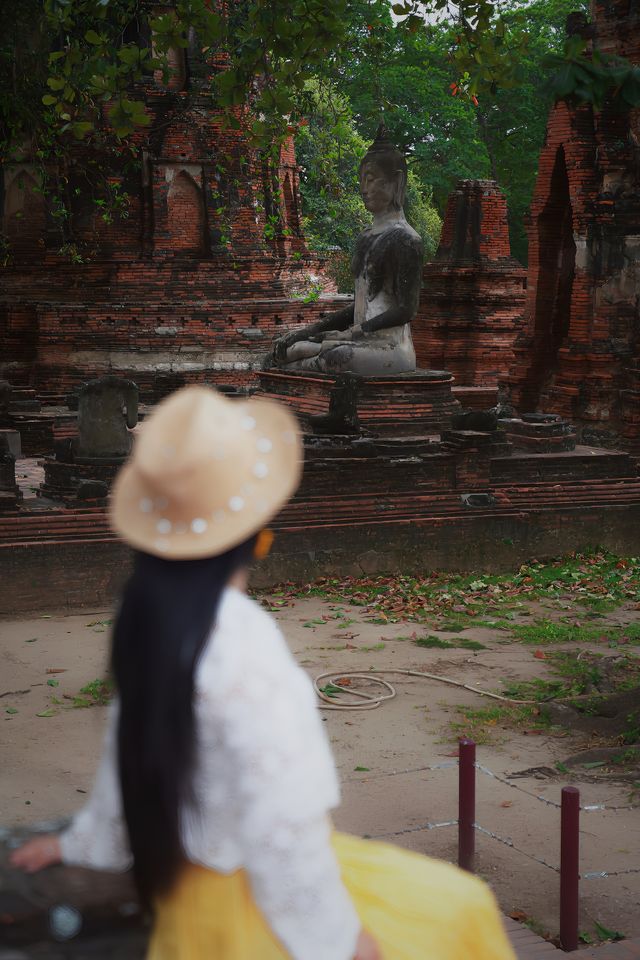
(185, 216)
(557, 261)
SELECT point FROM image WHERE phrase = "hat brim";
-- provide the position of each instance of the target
(198, 532)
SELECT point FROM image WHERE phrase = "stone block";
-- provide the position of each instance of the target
(10, 439)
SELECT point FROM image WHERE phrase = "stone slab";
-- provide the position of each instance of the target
(13, 442)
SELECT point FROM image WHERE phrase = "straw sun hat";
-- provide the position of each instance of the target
(205, 474)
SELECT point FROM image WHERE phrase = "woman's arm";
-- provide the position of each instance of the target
(96, 836)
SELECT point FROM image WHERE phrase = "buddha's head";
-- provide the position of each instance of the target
(383, 175)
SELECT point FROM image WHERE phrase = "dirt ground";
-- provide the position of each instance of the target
(50, 745)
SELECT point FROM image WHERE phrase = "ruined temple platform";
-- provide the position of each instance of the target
(365, 506)
(407, 404)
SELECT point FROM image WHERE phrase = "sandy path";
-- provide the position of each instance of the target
(48, 762)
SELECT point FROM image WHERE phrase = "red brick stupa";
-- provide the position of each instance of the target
(578, 355)
(473, 295)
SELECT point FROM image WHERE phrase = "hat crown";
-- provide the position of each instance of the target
(196, 428)
(205, 473)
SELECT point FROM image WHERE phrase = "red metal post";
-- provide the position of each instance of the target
(466, 804)
(569, 867)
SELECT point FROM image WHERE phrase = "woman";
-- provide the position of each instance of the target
(216, 778)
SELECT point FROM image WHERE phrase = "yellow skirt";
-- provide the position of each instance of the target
(415, 907)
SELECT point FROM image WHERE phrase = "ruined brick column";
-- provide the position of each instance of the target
(578, 354)
(473, 294)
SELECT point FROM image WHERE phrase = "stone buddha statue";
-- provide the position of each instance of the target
(371, 337)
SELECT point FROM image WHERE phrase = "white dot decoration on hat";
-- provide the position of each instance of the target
(260, 469)
(264, 445)
(162, 544)
(146, 505)
(236, 504)
(247, 423)
(163, 526)
(199, 525)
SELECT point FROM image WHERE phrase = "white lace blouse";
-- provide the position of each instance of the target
(263, 785)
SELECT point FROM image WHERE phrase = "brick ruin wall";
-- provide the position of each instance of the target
(207, 267)
(578, 354)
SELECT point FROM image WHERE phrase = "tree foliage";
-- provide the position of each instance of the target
(464, 87)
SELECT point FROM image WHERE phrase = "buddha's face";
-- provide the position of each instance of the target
(378, 191)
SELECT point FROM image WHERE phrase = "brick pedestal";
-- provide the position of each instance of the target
(407, 404)
(540, 433)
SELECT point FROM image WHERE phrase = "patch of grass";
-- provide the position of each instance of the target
(543, 632)
(628, 757)
(628, 633)
(538, 689)
(470, 644)
(454, 625)
(97, 693)
(433, 642)
(374, 648)
(442, 644)
(482, 725)
(499, 624)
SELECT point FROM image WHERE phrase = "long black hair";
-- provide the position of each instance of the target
(167, 612)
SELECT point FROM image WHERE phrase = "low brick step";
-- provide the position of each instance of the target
(528, 945)
(622, 950)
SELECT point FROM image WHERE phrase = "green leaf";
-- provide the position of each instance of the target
(46, 713)
(562, 767)
(362, 769)
(53, 683)
(92, 37)
(55, 83)
(331, 690)
(81, 129)
(11, 710)
(48, 99)
(606, 934)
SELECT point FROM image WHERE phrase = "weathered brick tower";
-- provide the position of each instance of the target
(579, 354)
(472, 301)
(194, 282)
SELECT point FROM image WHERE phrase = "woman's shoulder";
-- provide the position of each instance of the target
(243, 637)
